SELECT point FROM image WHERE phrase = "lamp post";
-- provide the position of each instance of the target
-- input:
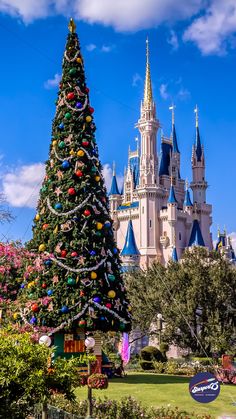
(159, 326)
(89, 343)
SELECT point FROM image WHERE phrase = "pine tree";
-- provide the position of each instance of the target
(81, 283)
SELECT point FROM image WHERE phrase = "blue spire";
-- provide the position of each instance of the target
(187, 199)
(166, 149)
(174, 255)
(114, 188)
(196, 238)
(174, 140)
(172, 199)
(130, 247)
(198, 145)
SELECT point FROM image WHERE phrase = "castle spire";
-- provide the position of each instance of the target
(198, 145)
(173, 134)
(148, 98)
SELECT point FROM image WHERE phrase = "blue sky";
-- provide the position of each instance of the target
(193, 60)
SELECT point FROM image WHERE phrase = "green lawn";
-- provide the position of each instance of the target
(160, 390)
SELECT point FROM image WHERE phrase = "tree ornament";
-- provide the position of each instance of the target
(80, 153)
(65, 164)
(44, 285)
(71, 191)
(78, 173)
(67, 115)
(35, 307)
(63, 253)
(93, 275)
(99, 226)
(111, 294)
(82, 323)
(64, 309)
(45, 226)
(87, 90)
(73, 71)
(54, 143)
(44, 188)
(42, 247)
(108, 305)
(122, 326)
(97, 299)
(85, 143)
(129, 307)
(111, 277)
(33, 320)
(72, 153)
(91, 110)
(115, 251)
(37, 217)
(58, 191)
(107, 224)
(61, 126)
(92, 253)
(98, 233)
(48, 262)
(94, 169)
(49, 293)
(71, 281)
(74, 254)
(78, 105)
(70, 96)
(61, 144)
(87, 213)
(79, 60)
(58, 206)
(82, 293)
(22, 286)
(88, 118)
(97, 178)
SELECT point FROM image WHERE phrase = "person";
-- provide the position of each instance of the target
(119, 371)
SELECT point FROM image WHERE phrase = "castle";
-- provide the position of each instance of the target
(156, 216)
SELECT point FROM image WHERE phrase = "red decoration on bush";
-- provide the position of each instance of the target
(74, 254)
(91, 110)
(63, 253)
(85, 143)
(98, 381)
(70, 96)
(44, 285)
(87, 213)
(35, 307)
(78, 173)
(71, 191)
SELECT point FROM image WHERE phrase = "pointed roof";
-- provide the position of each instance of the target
(187, 199)
(130, 247)
(174, 255)
(196, 238)
(166, 149)
(198, 145)
(148, 98)
(172, 198)
(174, 140)
(114, 187)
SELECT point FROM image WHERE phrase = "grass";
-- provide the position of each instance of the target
(161, 390)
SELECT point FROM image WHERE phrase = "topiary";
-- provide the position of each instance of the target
(151, 353)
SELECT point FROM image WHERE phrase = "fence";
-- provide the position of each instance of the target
(52, 412)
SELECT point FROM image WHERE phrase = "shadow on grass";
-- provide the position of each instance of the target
(150, 379)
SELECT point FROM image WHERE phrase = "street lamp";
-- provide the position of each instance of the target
(89, 343)
(159, 326)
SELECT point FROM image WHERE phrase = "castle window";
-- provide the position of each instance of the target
(173, 169)
(173, 181)
(165, 233)
(128, 197)
(180, 236)
(128, 185)
(150, 223)
(142, 210)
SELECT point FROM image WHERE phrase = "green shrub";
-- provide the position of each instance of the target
(164, 347)
(151, 353)
(203, 361)
(159, 367)
(147, 365)
(172, 367)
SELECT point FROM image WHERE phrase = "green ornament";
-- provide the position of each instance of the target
(61, 144)
(68, 115)
(98, 233)
(94, 170)
(44, 188)
(71, 281)
(122, 326)
(111, 277)
(73, 71)
(31, 295)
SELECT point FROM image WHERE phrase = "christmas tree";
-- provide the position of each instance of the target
(81, 283)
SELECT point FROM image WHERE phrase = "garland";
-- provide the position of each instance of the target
(93, 268)
(68, 212)
(66, 323)
(109, 311)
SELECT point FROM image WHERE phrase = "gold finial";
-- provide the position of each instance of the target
(172, 109)
(72, 26)
(174, 239)
(218, 231)
(148, 84)
(171, 180)
(114, 168)
(196, 112)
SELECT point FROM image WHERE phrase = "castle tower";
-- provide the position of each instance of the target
(114, 199)
(130, 254)
(147, 191)
(199, 184)
(175, 157)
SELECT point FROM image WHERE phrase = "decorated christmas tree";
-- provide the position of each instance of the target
(81, 283)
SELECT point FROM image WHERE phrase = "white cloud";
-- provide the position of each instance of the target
(21, 186)
(163, 91)
(136, 79)
(52, 83)
(107, 174)
(183, 93)
(107, 48)
(173, 40)
(233, 239)
(213, 31)
(91, 47)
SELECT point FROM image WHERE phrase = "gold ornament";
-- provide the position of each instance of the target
(99, 226)
(37, 217)
(31, 284)
(111, 294)
(42, 247)
(79, 60)
(55, 231)
(88, 118)
(15, 315)
(129, 308)
(72, 26)
(54, 143)
(72, 153)
(93, 275)
(80, 153)
(97, 178)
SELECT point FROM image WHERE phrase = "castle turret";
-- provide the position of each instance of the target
(172, 213)
(196, 238)
(199, 184)
(130, 254)
(175, 155)
(114, 198)
(174, 255)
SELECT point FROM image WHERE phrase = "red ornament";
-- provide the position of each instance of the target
(74, 254)
(82, 323)
(78, 173)
(91, 110)
(63, 253)
(45, 226)
(108, 305)
(87, 213)
(35, 307)
(44, 285)
(85, 143)
(70, 96)
(71, 191)
(82, 293)
(87, 90)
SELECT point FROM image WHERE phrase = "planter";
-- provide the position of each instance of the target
(97, 381)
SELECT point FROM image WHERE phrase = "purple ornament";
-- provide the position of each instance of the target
(33, 320)
(96, 299)
(78, 105)
(22, 286)
(92, 253)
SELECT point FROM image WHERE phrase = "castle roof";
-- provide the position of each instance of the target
(130, 247)
(166, 149)
(172, 199)
(174, 255)
(187, 199)
(114, 187)
(221, 242)
(196, 238)
(198, 145)
(174, 140)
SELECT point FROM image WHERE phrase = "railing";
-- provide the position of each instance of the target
(52, 412)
